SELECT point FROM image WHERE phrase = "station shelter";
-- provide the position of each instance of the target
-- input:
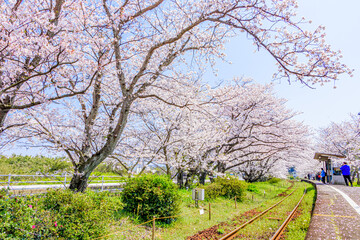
(331, 166)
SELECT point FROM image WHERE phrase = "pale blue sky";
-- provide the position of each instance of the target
(324, 104)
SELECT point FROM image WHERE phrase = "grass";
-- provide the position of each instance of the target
(224, 215)
(190, 222)
(36, 165)
(265, 227)
(298, 227)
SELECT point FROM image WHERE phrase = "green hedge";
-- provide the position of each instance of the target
(274, 180)
(59, 214)
(151, 195)
(226, 187)
(252, 188)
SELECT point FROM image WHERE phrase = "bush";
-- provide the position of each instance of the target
(213, 191)
(59, 214)
(232, 187)
(227, 188)
(16, 217)
(252, 188)
(81, 215)
(151, 195)
(274, 180)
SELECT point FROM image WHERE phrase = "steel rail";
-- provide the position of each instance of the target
(235, 232)
(281, 229)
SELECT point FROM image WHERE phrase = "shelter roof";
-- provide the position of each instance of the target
(324, 156)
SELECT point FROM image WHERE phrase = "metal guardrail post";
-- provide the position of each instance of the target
(102, 183)
(9, 181)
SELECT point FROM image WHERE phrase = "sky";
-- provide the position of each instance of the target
(325, 104)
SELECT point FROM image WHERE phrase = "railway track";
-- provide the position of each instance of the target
(279, 232)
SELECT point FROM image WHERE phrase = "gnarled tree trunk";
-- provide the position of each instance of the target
(202, 177)
(180, 178)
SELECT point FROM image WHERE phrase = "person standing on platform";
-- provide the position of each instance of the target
(323, 175)
(345, 170)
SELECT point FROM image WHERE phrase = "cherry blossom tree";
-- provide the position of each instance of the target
(343, 139)
(134, 50)
(259, 127)
(39, 60)
(239, 127)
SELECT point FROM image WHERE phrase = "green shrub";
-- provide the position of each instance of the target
(81, 215)
(151, 195)
(232, 187)
(16, 217)
(213, 191)
(274, 180)
(226, 187)
(252, 188)
(59, 214)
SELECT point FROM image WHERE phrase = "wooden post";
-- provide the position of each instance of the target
(209, 211)
(153, 229)
(196, 199)
(252, 197)
(235, 202)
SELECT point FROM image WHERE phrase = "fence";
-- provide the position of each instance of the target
(38, 182)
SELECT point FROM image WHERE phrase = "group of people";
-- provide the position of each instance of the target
(345, 170)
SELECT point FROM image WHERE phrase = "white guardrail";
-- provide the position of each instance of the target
(14, 182)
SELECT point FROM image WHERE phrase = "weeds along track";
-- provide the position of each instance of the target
(281, 229)
(278, 233)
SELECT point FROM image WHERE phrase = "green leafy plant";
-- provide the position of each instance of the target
(82, 215)
(151, 195)
(252, 188)
(213, 191)
(226, 187)
(232, 187)
(59, 214)
(16, 217)
(274, 180)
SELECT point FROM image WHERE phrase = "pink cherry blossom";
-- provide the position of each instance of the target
(80, 78)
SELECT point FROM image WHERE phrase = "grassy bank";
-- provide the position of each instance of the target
(223, 213)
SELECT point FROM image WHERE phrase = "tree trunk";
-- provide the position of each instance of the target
(79, 180)
(189, 179)
(180, 179)
(354, 175)
(202, 177)
(221, 167)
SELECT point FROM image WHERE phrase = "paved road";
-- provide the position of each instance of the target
(336, 213)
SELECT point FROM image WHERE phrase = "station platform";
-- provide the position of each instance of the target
(336, 214)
